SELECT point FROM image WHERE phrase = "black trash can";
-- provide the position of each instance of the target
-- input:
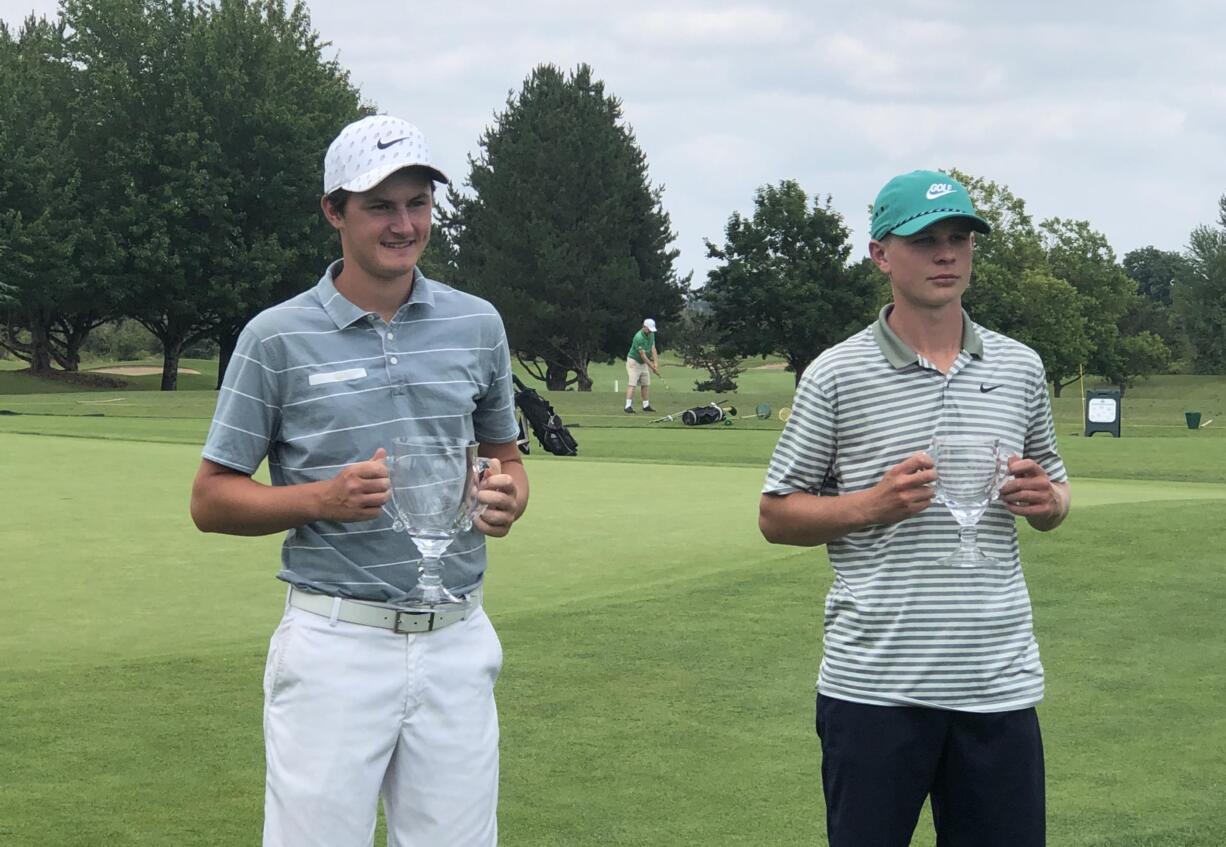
(1193, 419)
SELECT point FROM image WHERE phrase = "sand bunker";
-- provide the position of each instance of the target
(138, 371)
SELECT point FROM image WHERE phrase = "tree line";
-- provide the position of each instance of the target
(784, 286)
(161, 163)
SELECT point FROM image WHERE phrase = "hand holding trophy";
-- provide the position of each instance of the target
(970, 472)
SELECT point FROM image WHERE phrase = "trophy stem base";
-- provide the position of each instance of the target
(968, 554)
(430, 591)
(973, 558)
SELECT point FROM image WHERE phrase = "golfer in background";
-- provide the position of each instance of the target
(930, 672)
(641, 362)
(364, 697)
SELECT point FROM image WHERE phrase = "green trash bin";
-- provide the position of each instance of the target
(1193, 419)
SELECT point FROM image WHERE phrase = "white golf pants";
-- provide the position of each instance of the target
(352, 712)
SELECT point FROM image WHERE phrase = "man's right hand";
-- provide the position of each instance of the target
(905, 490)
(358, 492)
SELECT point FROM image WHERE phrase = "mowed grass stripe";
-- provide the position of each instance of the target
(684, 717)
(747, 443)
(112, 529)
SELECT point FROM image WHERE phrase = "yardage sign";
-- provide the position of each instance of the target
(1103, 412)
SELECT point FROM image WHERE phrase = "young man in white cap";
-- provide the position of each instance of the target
(930, 672)
(641, 358)
(364, 695)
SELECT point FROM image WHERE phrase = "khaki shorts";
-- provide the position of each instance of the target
(637, 373)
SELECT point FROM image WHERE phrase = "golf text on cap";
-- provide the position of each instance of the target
(913, 201)
(368, 151)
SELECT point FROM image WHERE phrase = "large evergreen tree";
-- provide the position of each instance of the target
(563, 230)
(783, 285)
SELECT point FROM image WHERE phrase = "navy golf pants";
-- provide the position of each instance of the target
(984, 773)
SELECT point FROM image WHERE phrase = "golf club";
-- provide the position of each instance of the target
(761, 412)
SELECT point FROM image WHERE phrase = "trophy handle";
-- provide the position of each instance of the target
(397, 522)
(1002, 471)
(479, 468)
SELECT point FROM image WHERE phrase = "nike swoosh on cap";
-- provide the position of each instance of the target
(384, 145)
(939, 190)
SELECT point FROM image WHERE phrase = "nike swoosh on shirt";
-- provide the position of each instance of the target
(986, 388)
(384, 145)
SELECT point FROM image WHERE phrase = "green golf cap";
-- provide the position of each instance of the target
(911, 202)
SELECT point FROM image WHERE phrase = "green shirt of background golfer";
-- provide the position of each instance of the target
(641, 362)
(930, 671)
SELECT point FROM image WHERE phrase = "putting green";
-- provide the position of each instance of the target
(1088, 493)
(122, 535)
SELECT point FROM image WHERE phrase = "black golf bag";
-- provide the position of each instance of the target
(544, 421)
(700, 415)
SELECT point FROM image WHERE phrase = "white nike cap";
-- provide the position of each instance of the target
(650, 324)
(370, 150)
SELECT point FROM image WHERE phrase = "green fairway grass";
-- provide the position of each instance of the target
(659, 655)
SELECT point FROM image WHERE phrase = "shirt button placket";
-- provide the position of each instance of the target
(392, 358)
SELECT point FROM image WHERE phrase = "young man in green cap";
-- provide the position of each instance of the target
(930, 672)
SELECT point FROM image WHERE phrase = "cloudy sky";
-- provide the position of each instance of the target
(1113, 112)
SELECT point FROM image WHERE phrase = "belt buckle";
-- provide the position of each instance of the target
(396, 623)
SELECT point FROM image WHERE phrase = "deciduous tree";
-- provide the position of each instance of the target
(1201, 302)
(52, 258)
(700, 343)
(1080, 255)
(208, 125)
(782, 285)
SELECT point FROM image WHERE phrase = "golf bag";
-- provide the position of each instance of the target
(700, 415)
(544, 421)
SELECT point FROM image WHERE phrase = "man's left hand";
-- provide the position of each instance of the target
(1032, 495)
(501, 498)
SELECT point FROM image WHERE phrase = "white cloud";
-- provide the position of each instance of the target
(740, 27)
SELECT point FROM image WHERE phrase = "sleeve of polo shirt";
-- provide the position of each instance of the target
(1041, 432)
(248, 412)
(805, 451)
(494, 417)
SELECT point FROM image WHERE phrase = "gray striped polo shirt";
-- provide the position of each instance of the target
(316, 384)
(900, 629)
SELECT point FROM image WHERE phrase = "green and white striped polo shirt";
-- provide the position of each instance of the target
(900, 629)
(316, 384)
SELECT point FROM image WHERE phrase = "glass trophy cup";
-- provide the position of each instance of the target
(434, 492)
(970, 472)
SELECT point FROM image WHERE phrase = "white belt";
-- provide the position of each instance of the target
(388, 617)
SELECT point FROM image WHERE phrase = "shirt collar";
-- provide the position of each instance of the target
(345, 313)
(899, 354)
